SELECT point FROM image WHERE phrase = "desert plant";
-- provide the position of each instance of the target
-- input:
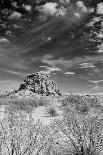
(80, 104)
(51, 110)
(43, 101)
(81, 136)
(76, 103)
(20, 136)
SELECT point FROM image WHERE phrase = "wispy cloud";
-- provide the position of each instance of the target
(100, 8)
(95, 81)
(4, 40)
(49, 8)
(5, 81)
(50, 60)
(97, 87)
(100, 48)
(79, 62)
(13, 72)
(69, 73)
(7, 85)
(87, 65)
(81, 6)
(49, 69)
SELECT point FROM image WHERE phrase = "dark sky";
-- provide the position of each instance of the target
(68, 46)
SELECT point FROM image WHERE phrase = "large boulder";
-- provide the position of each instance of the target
(40, 83)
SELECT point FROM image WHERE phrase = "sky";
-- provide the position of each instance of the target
(63, 42)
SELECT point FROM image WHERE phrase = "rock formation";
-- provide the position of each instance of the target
(40, 83)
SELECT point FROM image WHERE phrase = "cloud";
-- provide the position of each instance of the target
(67, 12)
(100, 35)
(44, 72)
(69, 73)
(80, 5)
(64, 1)
(95, 81)
(15, 15)
(82, 67)
(91, 10)
(49, 69)
(77, 14)
(7, 85)
(68, 63)
(87, 65)
(5, 81)
(93, 21)
(61, 11)
(100, 48)
(4, 40)
(97, 87)
(49, 8)
(100, 8)
(13, 72)
(27, 7)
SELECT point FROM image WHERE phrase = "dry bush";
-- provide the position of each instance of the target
(19, 136)
(42, 101)
(25, 104)
(76, 103)
(81, 104)
(78, 135)
(51, 110)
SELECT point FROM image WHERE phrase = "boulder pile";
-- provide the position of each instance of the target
(40, 83)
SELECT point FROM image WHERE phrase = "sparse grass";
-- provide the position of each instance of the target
(78, 136)
(19, 136)
(81, 104)
(78, 133)
(25, 104)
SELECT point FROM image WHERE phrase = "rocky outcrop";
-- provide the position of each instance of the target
(40, 83)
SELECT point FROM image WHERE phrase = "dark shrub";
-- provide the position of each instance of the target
(52, 111)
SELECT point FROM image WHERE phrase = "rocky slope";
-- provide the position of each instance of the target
(40, 83)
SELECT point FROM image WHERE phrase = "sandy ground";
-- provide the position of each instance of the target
(41, 114)
(2, 109)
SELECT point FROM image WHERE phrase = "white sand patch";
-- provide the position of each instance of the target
(41, 114)
(2, 114)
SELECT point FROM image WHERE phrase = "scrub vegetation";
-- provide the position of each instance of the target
(78, 132)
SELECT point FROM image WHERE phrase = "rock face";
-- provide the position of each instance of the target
(41, 84)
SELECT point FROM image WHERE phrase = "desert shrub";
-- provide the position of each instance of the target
(3, 101)
(51, 110)
(75, 102)
(20, 136)
(22, 104)
(94, 102)
(26, 104)
(81, 104)
(43, 101)
(79, 136)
